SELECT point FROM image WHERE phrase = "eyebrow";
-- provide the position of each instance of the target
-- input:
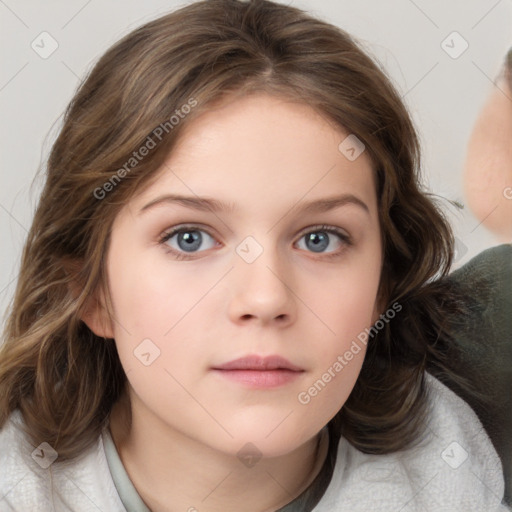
(208, 204)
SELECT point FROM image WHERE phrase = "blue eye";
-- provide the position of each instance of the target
(321, 238)
(188, 240)
(184, 241)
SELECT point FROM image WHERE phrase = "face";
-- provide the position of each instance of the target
(242, 276)
(488, 166)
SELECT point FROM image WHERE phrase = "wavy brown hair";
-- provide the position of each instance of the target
(57, 372)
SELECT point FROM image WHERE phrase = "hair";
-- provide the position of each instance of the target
(61, 376)
(508, 68)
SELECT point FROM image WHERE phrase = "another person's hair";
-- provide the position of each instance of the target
(62, 377)
(508, 68)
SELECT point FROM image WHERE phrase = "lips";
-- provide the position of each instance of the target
(258, 363)
(259, 372)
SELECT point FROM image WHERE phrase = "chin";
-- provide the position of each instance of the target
(269, 437)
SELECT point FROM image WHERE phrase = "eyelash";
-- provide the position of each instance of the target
(345, 239)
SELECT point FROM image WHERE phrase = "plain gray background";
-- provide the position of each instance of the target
(443, 93)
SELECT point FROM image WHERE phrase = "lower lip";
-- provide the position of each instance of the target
(260, 378)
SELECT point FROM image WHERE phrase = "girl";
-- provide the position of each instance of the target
(227, 297)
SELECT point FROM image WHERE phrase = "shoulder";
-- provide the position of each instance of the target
(453, 468)
(484, 339)
(487, 278)
(484, 333)
(32, 478)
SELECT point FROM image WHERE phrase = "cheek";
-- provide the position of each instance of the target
(155, 348)
(151, 297)
(157, 329)
(348, 310)
(338, 359)
(346, 300)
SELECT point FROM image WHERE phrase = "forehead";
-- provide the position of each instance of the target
(263, 148)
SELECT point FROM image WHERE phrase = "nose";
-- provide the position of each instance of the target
(262, 291)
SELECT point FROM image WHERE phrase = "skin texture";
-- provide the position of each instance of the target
(488, 168)
(268, 156)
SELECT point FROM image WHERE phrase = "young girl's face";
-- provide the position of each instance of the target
(279, 256)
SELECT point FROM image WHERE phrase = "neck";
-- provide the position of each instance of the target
(198, 477)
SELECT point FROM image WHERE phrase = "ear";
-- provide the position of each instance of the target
(94, 312)
(96, 317)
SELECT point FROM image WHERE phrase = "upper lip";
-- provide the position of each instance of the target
(255, 362)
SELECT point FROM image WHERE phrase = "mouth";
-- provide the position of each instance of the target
(259, 372)
(258, 363)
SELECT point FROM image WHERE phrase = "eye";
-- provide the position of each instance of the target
(325, 239)
(187, 239)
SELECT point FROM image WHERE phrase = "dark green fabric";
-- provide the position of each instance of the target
(486, 342)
